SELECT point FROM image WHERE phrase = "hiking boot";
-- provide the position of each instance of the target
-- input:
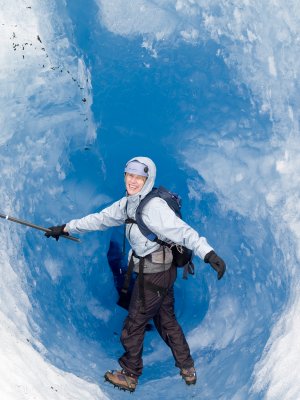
(189, 375)
(122, 380)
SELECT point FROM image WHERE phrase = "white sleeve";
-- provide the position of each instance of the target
(113, 215)
(162, 220)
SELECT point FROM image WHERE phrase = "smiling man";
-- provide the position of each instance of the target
(153, 261)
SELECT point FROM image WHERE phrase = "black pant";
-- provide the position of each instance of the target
(161, 309)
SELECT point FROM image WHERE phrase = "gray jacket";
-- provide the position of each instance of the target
(157, 215)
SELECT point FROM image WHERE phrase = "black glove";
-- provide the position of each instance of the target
(216, 263)
(56, 232)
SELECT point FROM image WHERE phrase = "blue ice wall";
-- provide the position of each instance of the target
(185, 103)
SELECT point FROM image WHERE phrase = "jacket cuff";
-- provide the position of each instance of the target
(68, 227)
(203, 248)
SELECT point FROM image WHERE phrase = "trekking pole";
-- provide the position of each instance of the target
(40, 228)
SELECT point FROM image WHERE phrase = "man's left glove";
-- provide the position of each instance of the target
(216, 263)
(56, 232)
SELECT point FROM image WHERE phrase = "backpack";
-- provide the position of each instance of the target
(182, 256)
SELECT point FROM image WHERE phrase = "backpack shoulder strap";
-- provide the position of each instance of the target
(138, 215)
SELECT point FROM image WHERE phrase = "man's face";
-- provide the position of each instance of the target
(134, 183)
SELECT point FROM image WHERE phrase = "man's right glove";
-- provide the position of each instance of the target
(216, 263)
(56, 232)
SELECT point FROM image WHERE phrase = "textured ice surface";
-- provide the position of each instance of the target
(209, 90)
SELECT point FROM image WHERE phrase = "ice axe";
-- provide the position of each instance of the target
(40, 228)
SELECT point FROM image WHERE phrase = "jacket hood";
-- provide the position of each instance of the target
(151, 176)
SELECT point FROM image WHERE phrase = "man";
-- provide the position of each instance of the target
(153, 292)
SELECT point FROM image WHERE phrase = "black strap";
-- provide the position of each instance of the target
(189, 268)
(126, 283)
(124, 241)
(141, 284)
(162, 243)
(128, 276)
(124, 235)
(130, 221)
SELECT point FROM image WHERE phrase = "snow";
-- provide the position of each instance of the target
(209, 89)
(282, 351)
(26, 375)
(31, 96)
(121, 18)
